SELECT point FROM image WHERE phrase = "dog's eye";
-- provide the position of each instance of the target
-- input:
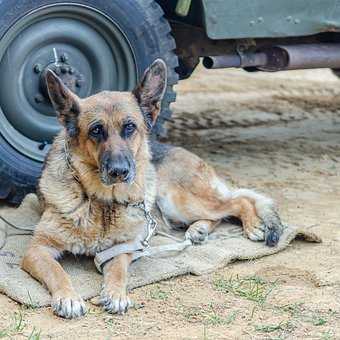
(96, 131)
(128, 129)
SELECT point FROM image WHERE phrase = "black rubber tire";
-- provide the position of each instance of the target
(148, 32)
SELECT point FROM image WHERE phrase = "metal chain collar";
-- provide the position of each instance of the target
(151, 222)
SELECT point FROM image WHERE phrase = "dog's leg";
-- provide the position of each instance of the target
(114, 297)
(256, 212)
(199, 231)
(189, 190)
(40, 261)
(258, 215)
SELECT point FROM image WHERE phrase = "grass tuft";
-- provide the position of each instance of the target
(32, 304)
(35, 334)
(18, 324)
(252, 288)
(327, 335)
(209, 316)
(318, 320)
(17, 327)
(158, 294)
(285, 326)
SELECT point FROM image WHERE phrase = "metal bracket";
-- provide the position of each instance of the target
(245, 48)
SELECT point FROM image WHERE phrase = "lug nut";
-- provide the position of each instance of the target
(64, 58)
(79, 82)
(39, 98)
(37, 68)
(71, 70)
(42, 145)
(63, 69)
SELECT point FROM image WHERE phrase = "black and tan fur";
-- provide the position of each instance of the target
(99, 164)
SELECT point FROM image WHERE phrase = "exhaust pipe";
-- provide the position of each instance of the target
(306, 56)
(280, 58)
(235, 60)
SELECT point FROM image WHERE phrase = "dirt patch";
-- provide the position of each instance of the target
(278, 133)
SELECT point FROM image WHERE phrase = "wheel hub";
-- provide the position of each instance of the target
(69, 75)
(81, 45)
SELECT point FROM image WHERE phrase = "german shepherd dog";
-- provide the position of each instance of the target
(99, 165)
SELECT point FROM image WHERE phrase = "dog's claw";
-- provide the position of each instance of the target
(256, 233)
(68, 307)
(115, 303)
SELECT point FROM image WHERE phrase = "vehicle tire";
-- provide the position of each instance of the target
(96, 44)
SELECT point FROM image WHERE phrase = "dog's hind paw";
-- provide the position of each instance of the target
(269, 230)
(115, 303)
(273, 237)
(274, 229)
(68, 306)
(256, 233)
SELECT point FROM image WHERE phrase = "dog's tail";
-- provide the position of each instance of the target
(267, 212)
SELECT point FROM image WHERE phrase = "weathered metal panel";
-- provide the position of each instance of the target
(227, 19)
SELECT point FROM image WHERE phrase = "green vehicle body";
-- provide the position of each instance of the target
(235, 19)
(213, 28)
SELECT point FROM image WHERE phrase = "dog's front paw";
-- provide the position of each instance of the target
(115, 301)
(197, 234)
(68, 305)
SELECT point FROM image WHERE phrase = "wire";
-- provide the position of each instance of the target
(28, 229)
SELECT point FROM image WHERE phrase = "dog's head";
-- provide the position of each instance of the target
(111, 127)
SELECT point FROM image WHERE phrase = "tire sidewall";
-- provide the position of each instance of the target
(132, 19)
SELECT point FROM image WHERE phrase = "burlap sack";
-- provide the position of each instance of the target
(225, 245)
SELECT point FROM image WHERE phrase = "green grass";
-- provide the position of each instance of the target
(111, 321)
(285, 326)
(318, 320)
(35, 334)
(294, 309)
(18, 324)
(17, 327)
(194, 314)
(291, 316)
(158, 294)
(252, 288)
(214, 319)
(299, 312)
(328, 335)
(209, 316)
(3, 333)
(32, 304)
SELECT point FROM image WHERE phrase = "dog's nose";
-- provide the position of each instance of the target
(119, 172)
(116, 168)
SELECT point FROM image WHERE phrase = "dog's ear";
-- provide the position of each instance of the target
(150, 91)
(64, 102)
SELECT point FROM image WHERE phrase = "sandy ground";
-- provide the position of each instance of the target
(278, 133)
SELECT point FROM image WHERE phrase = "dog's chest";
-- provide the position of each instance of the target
(105, 226)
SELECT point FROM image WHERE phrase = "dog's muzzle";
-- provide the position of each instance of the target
(117, 169)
